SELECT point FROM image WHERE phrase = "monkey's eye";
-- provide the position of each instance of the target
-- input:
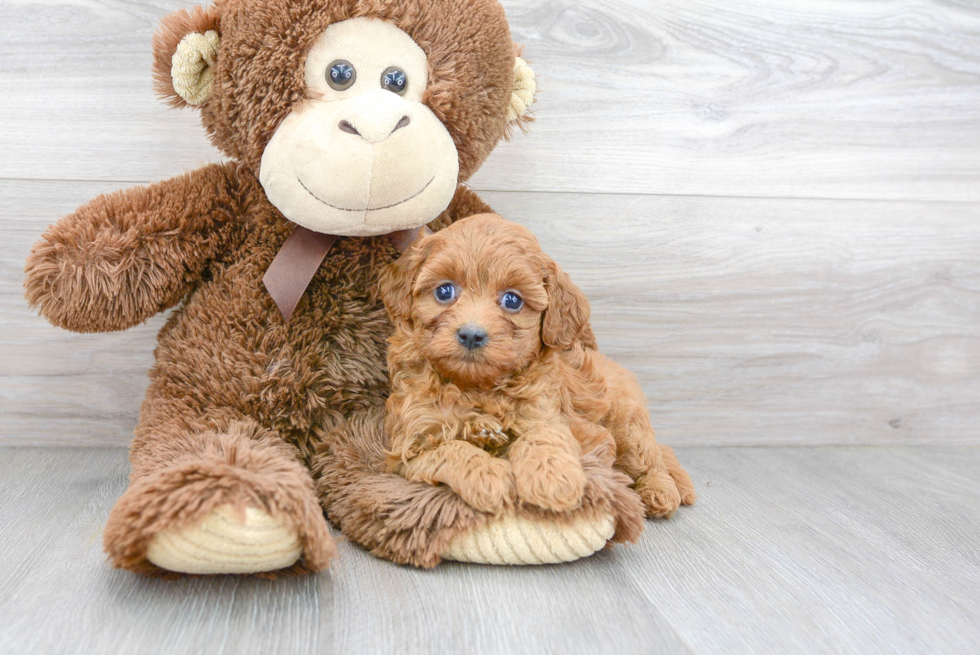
(511, 301)
(446, 292)
(340, 75)
(394, 80)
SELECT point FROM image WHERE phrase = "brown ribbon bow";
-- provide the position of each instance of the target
(300, 257)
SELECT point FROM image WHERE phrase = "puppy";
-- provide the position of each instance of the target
(497, 386)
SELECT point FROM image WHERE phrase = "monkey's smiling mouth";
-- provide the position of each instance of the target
(366, 209)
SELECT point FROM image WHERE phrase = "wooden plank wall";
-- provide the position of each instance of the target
(774, 206)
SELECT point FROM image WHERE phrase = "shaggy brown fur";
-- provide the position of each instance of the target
(505, 421)
(413, 522)
(240, 401)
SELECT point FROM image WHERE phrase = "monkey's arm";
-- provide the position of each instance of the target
(125, 256)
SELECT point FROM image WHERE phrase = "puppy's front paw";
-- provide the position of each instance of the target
(659, 493)
(550, 478)
(488, 486)
(485, 432)
(493, 438)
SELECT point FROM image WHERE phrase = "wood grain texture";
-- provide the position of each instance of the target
(788, 550)
(844, 550)
(747, 321)
(836, 99)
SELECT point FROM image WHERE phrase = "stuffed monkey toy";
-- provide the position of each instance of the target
(348, 126)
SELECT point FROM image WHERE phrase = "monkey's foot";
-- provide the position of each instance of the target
(226, 541)
(511, 539)
(242, 504)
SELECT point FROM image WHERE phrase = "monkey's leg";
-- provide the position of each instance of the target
(420, 524)
(215, 494)
(401, 520)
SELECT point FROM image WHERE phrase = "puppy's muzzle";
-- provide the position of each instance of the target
(472, 336)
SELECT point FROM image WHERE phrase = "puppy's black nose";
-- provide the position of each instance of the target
(472, 336)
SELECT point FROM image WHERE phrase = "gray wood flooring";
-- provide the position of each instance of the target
(788, 550)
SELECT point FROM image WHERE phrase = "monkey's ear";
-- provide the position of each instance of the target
(567, 317)
(185, 48)
(398, 278)
(522, 95)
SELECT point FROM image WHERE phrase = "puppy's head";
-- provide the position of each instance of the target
(481, 299)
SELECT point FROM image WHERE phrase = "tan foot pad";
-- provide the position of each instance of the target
(221, 543)
(518, 540)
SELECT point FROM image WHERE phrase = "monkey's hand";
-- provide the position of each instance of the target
(125, 256)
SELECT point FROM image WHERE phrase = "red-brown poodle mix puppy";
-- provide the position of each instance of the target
(497, 386)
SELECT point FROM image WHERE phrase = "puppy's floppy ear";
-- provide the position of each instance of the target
(398, 277)
(567, 315)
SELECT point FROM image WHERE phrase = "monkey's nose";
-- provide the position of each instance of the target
(373, 132)
(472, 336)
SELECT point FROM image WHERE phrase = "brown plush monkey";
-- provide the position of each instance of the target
(352, 118)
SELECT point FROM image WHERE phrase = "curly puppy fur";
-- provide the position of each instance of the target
(506, 420)
(241, 402)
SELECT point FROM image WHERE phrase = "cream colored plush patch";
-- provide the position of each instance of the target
(361, 161)
(524, 88)
(518, 540)
(224, 543)
(190, 67)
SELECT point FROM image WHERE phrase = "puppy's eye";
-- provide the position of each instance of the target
(341, 74)
(511, 301)
(446, 292)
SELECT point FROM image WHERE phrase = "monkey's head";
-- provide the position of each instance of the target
(359, 117)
